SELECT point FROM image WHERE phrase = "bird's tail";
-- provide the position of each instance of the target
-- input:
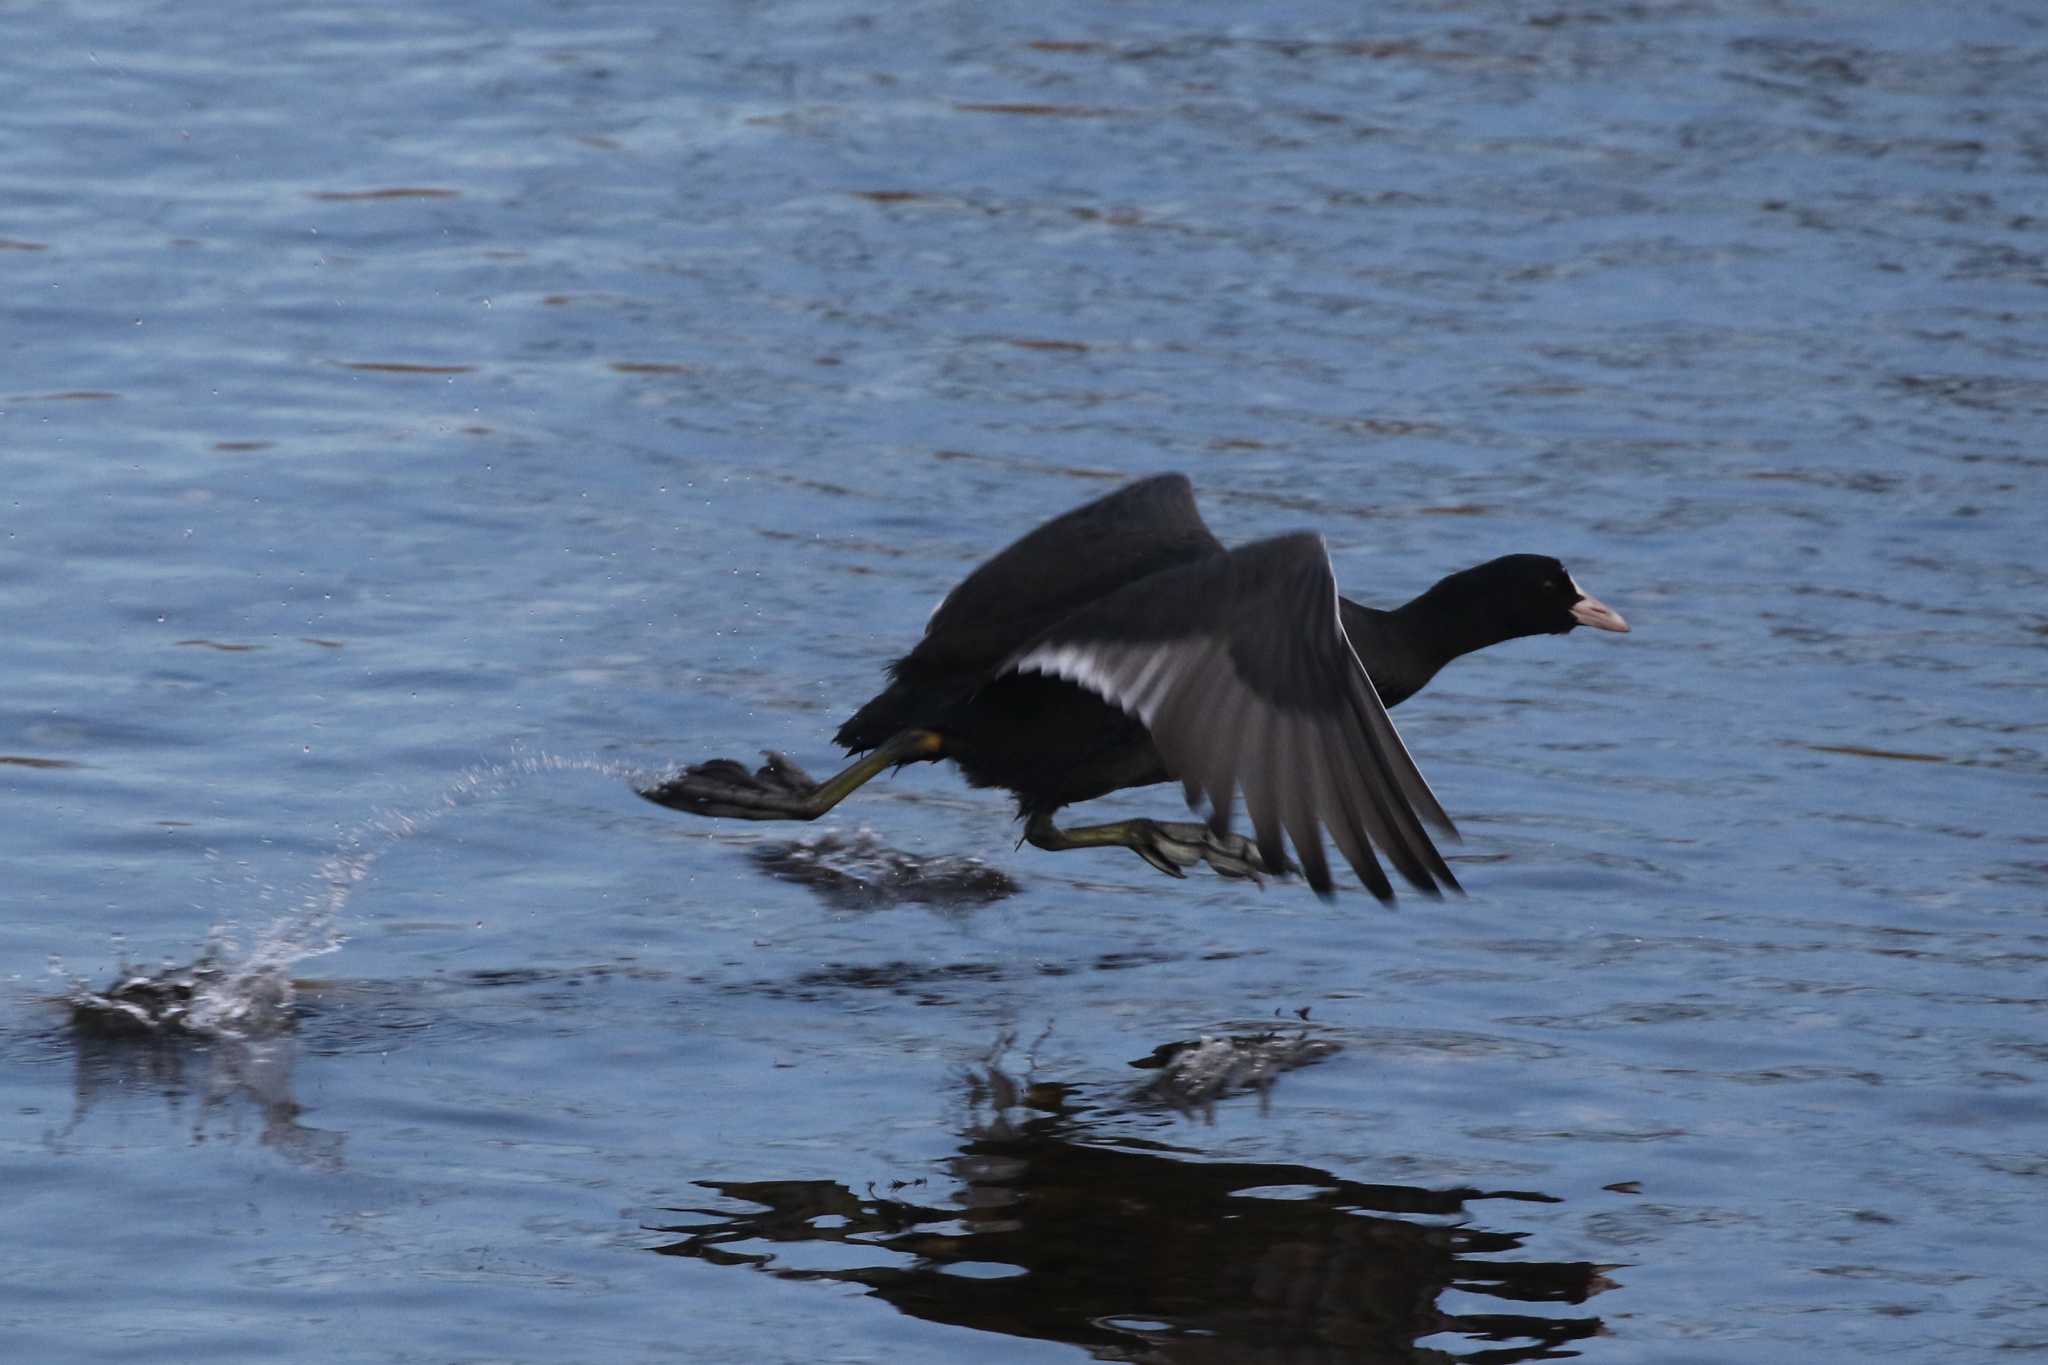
(888, 714)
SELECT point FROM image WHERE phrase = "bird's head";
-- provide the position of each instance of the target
(1536, 595)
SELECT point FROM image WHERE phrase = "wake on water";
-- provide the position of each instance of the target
(240, 986)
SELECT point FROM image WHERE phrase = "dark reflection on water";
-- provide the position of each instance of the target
(217, 1083)
(1138, 1251)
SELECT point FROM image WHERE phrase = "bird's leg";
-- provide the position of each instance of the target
(779, 790)
(1170, 846)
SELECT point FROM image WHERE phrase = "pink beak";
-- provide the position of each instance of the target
(1591, 611)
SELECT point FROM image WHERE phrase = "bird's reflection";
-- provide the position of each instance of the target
(223, 1079)
(1139, 1251)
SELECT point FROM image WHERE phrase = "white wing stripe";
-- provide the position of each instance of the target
(1103, 672)
(1143, 693)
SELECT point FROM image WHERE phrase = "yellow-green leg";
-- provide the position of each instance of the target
(1171, 846)
(779, 790)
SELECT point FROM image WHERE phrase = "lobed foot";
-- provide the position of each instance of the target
(778, 790)
(1174, 846)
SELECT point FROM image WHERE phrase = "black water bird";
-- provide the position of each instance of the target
(1122, 644)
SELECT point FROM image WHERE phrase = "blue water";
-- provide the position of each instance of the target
(418, 424)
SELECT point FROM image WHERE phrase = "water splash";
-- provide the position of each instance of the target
(240, 985)
(1196, 1073)
(859, 872)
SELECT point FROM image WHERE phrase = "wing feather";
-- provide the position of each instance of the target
(1349, 796)
(1300, 795)
(1239, 667)
(1222, 763)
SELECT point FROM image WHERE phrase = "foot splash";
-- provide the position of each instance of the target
(240, 985)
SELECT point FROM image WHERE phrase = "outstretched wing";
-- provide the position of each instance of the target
(1078, 557)
(1239, 666)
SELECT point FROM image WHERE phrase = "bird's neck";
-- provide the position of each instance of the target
(1404, 648)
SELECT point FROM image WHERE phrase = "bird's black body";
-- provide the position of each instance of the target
(1054, 743)
(1122, 644)
(1050, 742)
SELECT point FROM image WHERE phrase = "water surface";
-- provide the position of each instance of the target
(418, 423)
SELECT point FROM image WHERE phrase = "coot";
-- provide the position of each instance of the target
(1122, 644)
